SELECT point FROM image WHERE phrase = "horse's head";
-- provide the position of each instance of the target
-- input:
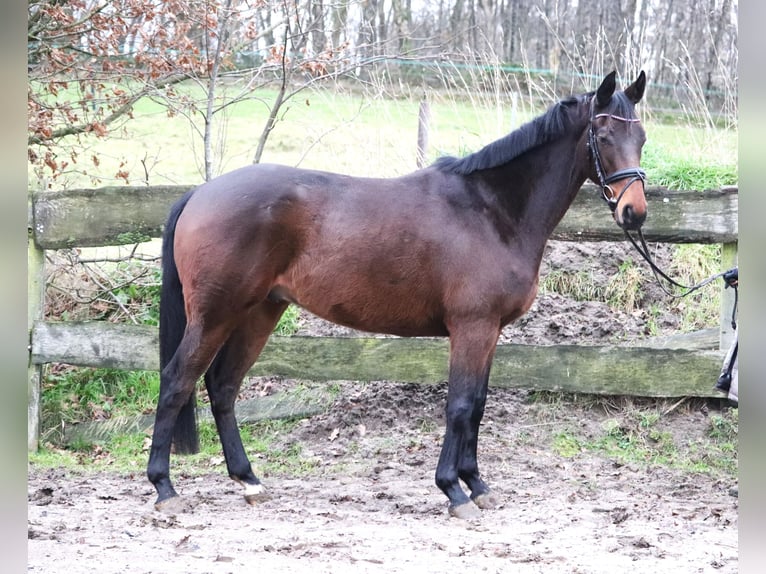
(615, 138)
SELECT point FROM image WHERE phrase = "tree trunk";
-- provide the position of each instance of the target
(718, 26)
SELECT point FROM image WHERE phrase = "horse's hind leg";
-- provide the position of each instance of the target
(192, 358)
(223, 380)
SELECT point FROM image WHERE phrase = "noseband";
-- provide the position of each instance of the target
(634, 173)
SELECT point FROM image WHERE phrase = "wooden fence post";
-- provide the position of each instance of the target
(424, 117)
(728, 260)
(36, 297)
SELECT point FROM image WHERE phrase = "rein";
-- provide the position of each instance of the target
(635, 174)
(643, 250)
(731, 277)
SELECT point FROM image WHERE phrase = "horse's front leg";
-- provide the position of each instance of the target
(471, 350)
(468, 466)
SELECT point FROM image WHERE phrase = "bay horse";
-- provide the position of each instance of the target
(450, 250)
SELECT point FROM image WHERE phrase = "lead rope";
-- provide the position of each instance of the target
(731, 277)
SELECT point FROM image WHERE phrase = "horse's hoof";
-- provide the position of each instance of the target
(486, 501)
(465, 511)
(173, 505)
(255, 493)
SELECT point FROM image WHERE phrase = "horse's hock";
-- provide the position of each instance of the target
(684, 365)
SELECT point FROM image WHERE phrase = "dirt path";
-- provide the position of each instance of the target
(369, 504)
(587, 517)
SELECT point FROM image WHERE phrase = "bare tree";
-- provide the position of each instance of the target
(90, 61)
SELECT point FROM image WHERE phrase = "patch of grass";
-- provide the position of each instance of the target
(46, 456)
(624, 289)
(653, 313)
(71, 395)
(691, 264)
(123, 453)
(566, 444)
(636, 440)
(638, 434)
(263, 443)
(690, 157)
(128, 453)
(724, 428)
(579, 285)
(426, 425)
(667, 168)
(143, 297)
(288, 322)
(638, 431)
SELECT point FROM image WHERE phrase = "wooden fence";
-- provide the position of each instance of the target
(673, 367)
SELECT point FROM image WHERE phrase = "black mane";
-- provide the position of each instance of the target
(549, 126)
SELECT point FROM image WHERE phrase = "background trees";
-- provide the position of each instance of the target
(89, 61)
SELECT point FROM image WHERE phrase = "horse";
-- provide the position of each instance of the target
(450, 250)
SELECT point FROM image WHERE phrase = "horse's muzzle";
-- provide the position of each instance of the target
(629, 205)
(630, 219)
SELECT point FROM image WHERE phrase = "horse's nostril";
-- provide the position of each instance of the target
(631, 219)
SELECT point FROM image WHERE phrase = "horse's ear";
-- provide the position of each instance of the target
(635, 91)
(606, 89)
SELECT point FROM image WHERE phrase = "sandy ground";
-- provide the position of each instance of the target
(370, 504)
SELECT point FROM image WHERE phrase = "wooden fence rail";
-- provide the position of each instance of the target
(127, 215)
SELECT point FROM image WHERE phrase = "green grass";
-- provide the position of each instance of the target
(692, 167)
(362, 132)
(693, 263)
(638, 433)
(288, 322)
(71, 395)
(578, 284)
(128, 453)
(622, 291)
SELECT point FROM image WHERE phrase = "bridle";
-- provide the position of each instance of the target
(612, 199)
(634, 173)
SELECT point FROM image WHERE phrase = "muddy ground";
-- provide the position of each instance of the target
(368, 503)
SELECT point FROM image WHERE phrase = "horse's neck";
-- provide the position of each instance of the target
(556, 187)
(537, 189)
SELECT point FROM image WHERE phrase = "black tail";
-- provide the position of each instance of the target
(172, 326)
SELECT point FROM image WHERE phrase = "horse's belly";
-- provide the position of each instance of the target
(394, 310)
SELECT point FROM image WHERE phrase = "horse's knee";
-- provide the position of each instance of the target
(459, 410)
